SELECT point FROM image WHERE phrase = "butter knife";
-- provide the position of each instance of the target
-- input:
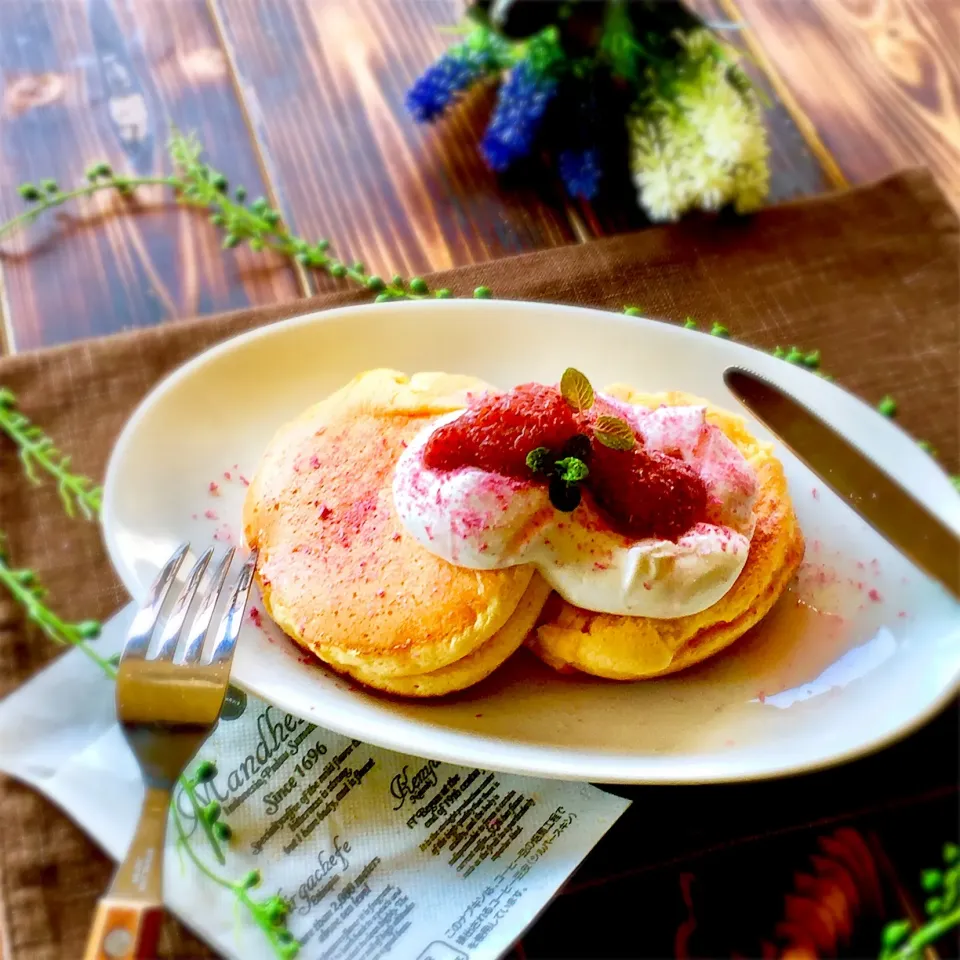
(873, 494)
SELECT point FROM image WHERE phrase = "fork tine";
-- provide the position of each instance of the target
(230, 624)
(141, 630)
(201, 622)
(170, 636)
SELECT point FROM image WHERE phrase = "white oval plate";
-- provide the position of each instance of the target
(805, 690)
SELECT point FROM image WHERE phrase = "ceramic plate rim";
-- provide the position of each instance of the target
(479, 749)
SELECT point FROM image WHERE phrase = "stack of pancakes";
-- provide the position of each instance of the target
(341, 576)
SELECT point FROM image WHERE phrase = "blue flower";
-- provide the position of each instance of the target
(436, 88)
(521, 104)
(580, 172)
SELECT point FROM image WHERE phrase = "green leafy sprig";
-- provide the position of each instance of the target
(38, 452)
(27, 591)
(207, 815)
(269, 914)
(256, 223)
(900, 941)
(609, 430)
(48, 195)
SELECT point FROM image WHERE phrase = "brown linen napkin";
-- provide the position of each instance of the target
(869, 277)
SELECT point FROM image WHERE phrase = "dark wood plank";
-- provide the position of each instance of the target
(106, 80)
(325, 82)
(879, 79)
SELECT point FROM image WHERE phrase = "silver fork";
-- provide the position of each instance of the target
(166, 709)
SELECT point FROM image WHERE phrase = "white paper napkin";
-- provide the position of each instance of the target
(380, 855)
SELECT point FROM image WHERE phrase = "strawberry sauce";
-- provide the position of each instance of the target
(498, 431)
(643, 493)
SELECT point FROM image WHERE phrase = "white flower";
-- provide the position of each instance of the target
(753, 173)
(704, 147)
(755, 148)
(726, 118)
(711, 182)
(725, 131)
(661, 195)
(659, 148)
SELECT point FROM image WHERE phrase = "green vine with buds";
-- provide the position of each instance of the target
(253, 222)
(902, 942)
(197, 184)
(29, 593)
(38, 452)
(269, 914)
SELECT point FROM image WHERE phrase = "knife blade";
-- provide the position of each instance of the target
(872, 493)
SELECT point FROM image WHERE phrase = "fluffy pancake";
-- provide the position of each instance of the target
(633, 648)
(338, 572)
(475, 666)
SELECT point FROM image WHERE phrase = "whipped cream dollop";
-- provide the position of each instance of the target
(482, 520)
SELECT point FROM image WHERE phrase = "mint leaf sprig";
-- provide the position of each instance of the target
(614, 433)
(577, 390)
(38, 452)
(611, 431)
(567, 469)
(565, 474)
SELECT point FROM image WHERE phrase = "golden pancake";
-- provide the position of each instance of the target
(338, 572)
(633, 648)
(475, 666)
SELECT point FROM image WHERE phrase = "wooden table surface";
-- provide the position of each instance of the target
(302, 101)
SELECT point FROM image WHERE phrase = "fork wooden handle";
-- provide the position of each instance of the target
(127, 922)
(123, 930)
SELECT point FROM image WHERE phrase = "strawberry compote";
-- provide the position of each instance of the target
(500, 429)
(645, 493)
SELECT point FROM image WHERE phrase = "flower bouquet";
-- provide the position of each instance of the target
(602, 88)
